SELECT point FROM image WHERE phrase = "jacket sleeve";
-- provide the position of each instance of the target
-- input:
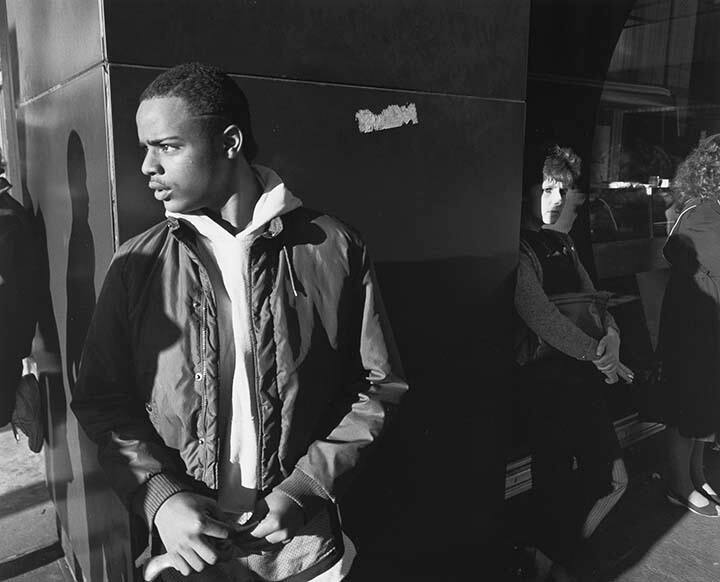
(586, 284)
(323, 472)
(544, 318)
(142, 470)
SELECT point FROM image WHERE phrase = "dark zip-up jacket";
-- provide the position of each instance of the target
(326, 366)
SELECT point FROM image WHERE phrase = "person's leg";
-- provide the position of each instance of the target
(601, 470)
(685, 459)
(697, 470)
(554, 487)
(679, 451)
(602, 506)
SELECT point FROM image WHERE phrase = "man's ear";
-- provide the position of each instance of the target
(232, 141)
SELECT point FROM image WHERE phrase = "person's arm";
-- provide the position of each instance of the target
(586, 284)
(607, 358)
(544, 318)
(146, 474)
(325, 470)
(108, 408)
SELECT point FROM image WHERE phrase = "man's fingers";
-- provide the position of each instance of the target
(277, 537)
(263, 529)
(206, 552)
(162, 562)
(215, 528)
(192, 559)
(156, 565)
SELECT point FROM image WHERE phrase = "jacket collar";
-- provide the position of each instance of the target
(272, 229)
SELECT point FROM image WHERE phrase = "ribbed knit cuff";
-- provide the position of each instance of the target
(304, 491)
(154, 493)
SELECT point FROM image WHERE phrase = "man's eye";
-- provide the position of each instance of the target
(166, 147)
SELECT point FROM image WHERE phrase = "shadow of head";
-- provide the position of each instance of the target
(77, 175)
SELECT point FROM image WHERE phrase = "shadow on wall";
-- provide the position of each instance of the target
(105, 526)
(80, 278)
(415, 512)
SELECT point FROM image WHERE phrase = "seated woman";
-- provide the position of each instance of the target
(577, 471)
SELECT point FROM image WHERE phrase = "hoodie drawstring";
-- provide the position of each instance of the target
(290, 270)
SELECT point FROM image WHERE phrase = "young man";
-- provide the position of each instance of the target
(239, 363)
(577, 468)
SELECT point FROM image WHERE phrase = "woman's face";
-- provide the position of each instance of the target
(552, 200)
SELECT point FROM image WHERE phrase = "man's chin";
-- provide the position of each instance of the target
(179, 208)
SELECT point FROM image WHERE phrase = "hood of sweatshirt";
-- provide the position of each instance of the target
(275, 201)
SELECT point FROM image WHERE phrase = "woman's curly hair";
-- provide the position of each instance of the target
(562, 165)
(699, 175)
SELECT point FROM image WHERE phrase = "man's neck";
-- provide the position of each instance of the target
(237, 212)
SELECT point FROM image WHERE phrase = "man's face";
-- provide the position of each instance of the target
(552, 200)
(184, 160)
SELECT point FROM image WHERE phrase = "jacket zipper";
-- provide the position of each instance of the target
(253, 347)
(203, 356)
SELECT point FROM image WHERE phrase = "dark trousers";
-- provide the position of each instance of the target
(577, 471)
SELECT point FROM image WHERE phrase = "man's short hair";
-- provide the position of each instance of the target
(562, 165)
(207, 90)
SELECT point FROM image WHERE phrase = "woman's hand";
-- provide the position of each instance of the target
(608, 352)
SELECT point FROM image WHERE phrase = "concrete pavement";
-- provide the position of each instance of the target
(29, 545)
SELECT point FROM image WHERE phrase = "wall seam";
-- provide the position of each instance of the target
(344, 85)
(109, 145)
(60, 85)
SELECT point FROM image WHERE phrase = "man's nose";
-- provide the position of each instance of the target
(556, 196)
(150, 165)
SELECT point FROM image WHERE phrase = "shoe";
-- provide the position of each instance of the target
(27, 415)
(709, 510)
(711, 496)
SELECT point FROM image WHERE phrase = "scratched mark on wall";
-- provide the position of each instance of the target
(390, 117)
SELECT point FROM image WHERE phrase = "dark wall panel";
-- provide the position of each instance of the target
(454, 46)
(54, 41)
(65, 166)
(447, 186)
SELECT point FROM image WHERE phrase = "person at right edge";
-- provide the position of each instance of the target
(689, 339)
(577, 471)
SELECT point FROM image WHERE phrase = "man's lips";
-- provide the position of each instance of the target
(162, 192)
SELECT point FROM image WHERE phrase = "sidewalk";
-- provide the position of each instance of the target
(29, 546)
(645, 539)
